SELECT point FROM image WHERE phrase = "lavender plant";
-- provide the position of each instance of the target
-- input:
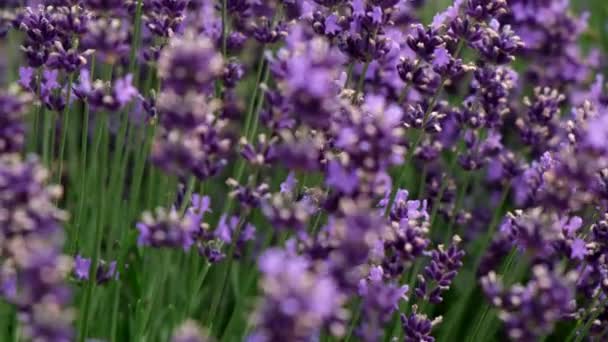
(303, 170)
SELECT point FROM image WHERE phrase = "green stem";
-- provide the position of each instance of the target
(251, 125)
(582, 333)
(254, 95)
(217, 299)
(64, 126)
(258, 107)
(458, 205)
(349, 74)
(454, 319)
(420, 136)
(86, 306)
(361, 80)
(354, 321)
(84, 140)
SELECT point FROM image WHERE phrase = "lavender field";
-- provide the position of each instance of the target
(303, 170)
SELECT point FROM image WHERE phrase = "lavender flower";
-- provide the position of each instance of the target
(407, 237)
(40, 35)
(12, 130)
(106, 96)
(417, 327)
(108, 37)
(298, 301)
(380, 300)
(189, 63)
(105, 271)
(193, 140)
(441, 271)
(166, 229)
(31, 240)
(189, 331)
(306, 71)
(165, 17)
(530, 311)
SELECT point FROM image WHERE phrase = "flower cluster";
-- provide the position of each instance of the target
(33, 269)
(12, 128)
(299, 300)
(370, 167)
(193, 138)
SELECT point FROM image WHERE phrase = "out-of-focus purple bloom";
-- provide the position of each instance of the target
(249, 195)
(33, 270)
(226, 228)
(262, 154)
(233, 72)
(81, 267)
(306, 70)
(380, 300)
(189, 63)
(331, 25)
(12, 125)
(165, 17)
(289, 184)
(298, 301)
(189, 331)
(105, 96)
(284, 211)
(124, 90)
(165, 229)
(109, 37)
(531, 310)
(68, 60)
(372, 138)
(341, 179)
(579, 249)
(199, 205)
(105, 271)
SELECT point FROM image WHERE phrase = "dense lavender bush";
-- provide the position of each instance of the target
(303, 170)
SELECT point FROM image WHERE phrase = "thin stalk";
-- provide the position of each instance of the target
(349, 74)
(361, 82)
(48, 129)
(86, 306)
(135, 191)
(84, 140)
(188, 194)
(13, 61)
(217, 300)
(250, 126)
(37, 115)
(137, 37)
(511, 276)
(458, 205)
(254, 95)
(485, 241)
(577, 334)
(258, 107)
(354, 321)
(420, 136)
(422, 183)
(64, 126)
